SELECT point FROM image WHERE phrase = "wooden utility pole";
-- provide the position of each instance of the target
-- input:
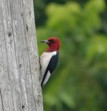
(19, 67)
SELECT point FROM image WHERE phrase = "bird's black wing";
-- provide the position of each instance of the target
(51, 66)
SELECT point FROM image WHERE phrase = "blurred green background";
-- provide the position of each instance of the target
(80, 81)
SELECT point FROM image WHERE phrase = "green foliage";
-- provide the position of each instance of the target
(40, 15)
(80, 81)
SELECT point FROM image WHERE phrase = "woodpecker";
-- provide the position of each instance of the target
(49, 58)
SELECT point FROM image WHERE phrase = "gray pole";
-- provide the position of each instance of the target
(19, 67)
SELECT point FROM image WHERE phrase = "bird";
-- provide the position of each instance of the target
(49, 58)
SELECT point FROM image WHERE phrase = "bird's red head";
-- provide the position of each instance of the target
(53, 43)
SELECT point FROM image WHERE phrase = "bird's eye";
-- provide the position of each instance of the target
(52, 41)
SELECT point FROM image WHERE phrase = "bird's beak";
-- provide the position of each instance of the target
(44, 41)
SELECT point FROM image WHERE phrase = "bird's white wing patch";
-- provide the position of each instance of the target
(44, 60)
(46, 78)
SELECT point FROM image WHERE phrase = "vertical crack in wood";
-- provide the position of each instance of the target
(28, 58)
(29, 66)
(23, 58)
(29, 63)
(25, 32)
(1, 100)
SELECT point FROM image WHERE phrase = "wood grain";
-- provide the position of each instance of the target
(19, 67)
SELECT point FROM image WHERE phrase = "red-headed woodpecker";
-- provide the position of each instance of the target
(49, 58)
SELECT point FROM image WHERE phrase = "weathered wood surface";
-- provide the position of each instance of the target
(19, 67)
